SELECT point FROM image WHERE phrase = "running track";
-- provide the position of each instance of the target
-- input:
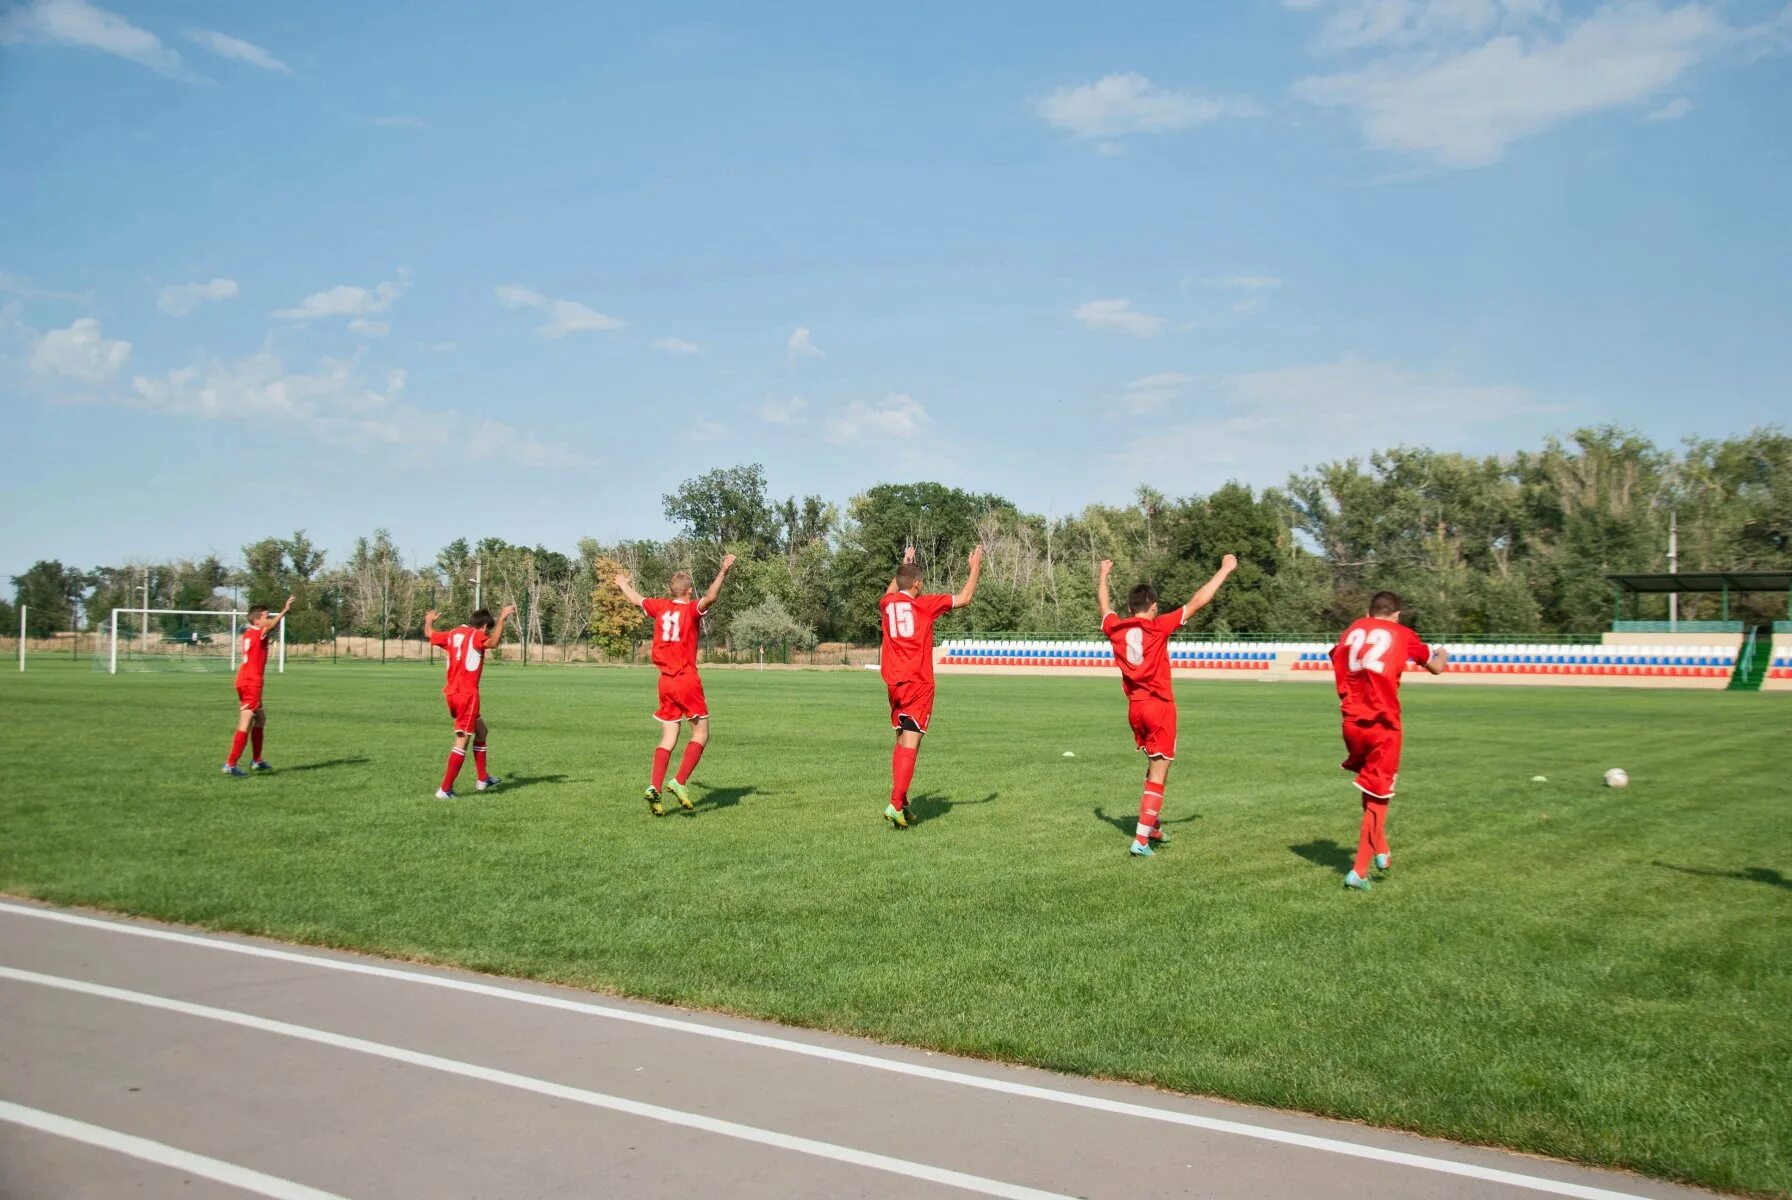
(143, 1060)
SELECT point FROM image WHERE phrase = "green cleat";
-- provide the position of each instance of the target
(653, 802)
(1384, 863)
(1353, 880)
(895, 816)
(684, 799)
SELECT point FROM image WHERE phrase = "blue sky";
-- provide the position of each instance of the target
(471, 270)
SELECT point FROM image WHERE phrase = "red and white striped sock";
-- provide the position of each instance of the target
(479, 761)
(457, 758)
(1151, 803)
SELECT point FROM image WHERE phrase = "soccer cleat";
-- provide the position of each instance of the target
(444, 794)
(1353, 880)
(1384, 862)
(684, 799)
(260, 765)
(895, 816)
(1140, 849)
(652, 796)
(236, 771)
(490, 781)
(1159, 838)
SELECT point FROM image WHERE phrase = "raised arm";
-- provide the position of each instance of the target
(281, 615)
(908, 556)
(496, 636)
(1199, 600)
(1101, 586)
(970, 584)
(627, 588)
(715, 585)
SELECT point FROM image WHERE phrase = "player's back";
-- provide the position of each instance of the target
(1367, 663)
(1142, 652)
(466, 658)
(677, 627)
(907, 621)
(253, 643)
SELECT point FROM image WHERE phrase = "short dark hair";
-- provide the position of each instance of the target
(256, 610)
(1385, 604)
(908, 575)
(482, 619)
(1140, 599)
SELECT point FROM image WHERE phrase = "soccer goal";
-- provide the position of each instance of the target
(176, 639)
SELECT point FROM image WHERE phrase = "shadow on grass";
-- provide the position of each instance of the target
(922, 809)
(1766, 875)
(716, 799)
(1324, 852)
(325, 765)
(512, 782)
(1128, 823)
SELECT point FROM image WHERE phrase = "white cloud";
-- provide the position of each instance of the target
(366, 328)
(78, 23)
(180, 299)
(564, 316)
(1116, 105)
(1119, 316)
(895, 418)
(81, 352)
(335, 403)
(1464, 107)
(237, 50)
(19, 286)
(400, 121)
(1249, 283)
(706, 430)
(782, 412)
(1673, 110)
(799, 345)
(348, 300)
(1153, 393)
(438, 347)
(672, 345)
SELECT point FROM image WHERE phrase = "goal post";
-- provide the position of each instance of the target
(177, 639)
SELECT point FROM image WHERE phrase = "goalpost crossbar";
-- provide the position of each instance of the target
(235, 617)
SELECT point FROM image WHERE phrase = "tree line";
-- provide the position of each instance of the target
(1502, 544)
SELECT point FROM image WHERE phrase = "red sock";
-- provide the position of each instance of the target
(479, 761)
(661, 760)
(692, 752)
(1150, 805)
(236, 747)
(1378, 832)
(456, 759)
(1365, 842)
(902, 773)
(255, 741)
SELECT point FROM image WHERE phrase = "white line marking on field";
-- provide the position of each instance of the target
(156, 1152)
(1123, 1108)
(543, 1087)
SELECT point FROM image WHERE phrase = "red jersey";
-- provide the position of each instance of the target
(907, 622)
(253, 645)
(1142, 652)
(676, 627)
(1367, 662)
(466, 657)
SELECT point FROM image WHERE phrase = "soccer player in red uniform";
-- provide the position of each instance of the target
(252, 642)
(1141, 651)
(906, 662)
(466, 647)
(1367, 663)
(677, 624)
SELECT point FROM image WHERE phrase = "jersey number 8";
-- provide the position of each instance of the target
(1135, 646)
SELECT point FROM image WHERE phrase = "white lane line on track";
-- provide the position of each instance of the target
(543, 1087)
(1423, 1162)
(157, 1152)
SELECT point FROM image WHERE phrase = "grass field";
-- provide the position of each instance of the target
(1555, 967)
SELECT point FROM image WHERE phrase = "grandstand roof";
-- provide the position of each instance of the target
(1706, 581)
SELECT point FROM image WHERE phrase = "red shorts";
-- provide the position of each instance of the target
(464, 708)
(681, 698)
(912, 699)
(248, 694)
(1372, 750)
(1153, 727)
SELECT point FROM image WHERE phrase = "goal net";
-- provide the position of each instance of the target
(176, 639)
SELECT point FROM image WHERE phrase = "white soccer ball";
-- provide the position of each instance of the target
(1617, 777)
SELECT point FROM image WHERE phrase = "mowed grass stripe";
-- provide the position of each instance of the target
(1536, 973)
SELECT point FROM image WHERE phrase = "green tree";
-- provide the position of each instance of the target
(49, 592)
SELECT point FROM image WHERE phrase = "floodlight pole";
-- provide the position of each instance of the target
(478, 572)
(1673, 569)
(23, 608)
(113, 670)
